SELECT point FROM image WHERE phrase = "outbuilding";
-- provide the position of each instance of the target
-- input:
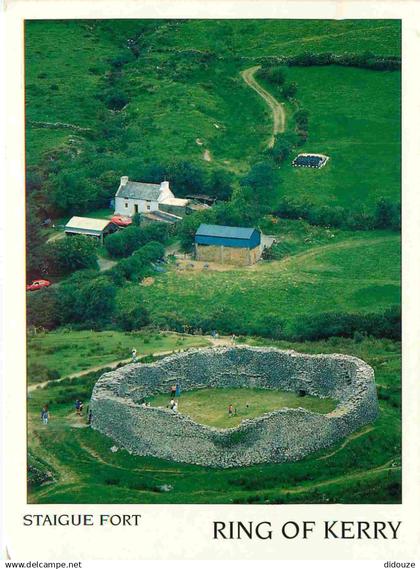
(97, 228)
(227, 245)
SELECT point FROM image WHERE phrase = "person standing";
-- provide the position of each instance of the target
(134, 355)
(230, 410)
(45, 415)
(177, 390)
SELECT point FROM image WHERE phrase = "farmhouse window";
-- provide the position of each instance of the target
(126, 204)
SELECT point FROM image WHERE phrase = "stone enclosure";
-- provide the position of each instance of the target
(279, 436)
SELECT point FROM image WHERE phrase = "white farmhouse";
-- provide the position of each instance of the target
(139, 197)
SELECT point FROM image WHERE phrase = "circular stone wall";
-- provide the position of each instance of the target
(279, 436)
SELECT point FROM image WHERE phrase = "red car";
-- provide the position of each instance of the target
(36, 285)
(121, 220)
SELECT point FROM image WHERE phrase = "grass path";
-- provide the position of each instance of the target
(350, 438)
(223, 341)
(279, 116)
(345, 479)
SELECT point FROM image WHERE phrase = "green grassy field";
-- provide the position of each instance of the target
(185, 85)
(363, 468)
(63, 352)
(210, 406)
(355, 120)
(358, 274)
(287, 37)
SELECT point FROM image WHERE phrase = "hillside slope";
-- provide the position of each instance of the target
(137, 96)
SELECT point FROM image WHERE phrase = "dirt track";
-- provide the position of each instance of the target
(279, 116)
(223, 341)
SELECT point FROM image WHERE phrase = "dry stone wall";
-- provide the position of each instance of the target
(279, 436)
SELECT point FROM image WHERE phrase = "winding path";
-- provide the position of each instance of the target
(221, 341)
(279, 115)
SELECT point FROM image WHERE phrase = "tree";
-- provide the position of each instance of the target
(117, 100)
(133, 318)
(35, 263)
(42, 309)
(220, 184)
(302, 118)
(71, 254)
(290, 90)
(282, 147)
(386, 214)
(125, 242)
(186, 178)
(186, 230)
(87, 299)
(275, 74)
(261, 177)
(71, 193)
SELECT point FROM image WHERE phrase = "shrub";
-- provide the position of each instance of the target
(325, 325)
(283, 146)
(289, 90)
(136, 219)
(219, 185)
(42, 309)
(133, 319)
(273, 74)
(71, 254)
(117, 100)
(138, 264)
(87, 299)
(387, 215)
(366, 60)
(125, 242)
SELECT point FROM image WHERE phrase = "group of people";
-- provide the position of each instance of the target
(45, 412)
(173, 405)
(175, 392)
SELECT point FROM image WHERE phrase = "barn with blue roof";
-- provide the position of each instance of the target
(227, 245)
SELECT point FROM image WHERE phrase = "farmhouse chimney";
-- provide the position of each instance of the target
(124, 180)
(164, 186)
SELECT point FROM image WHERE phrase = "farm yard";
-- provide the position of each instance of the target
(190, 102)
(360, 274)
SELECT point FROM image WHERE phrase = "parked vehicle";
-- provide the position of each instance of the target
(121, 220)
(36, 285)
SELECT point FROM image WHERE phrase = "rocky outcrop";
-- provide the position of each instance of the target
(278, 436)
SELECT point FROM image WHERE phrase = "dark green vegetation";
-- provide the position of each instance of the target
(210, 406)
(364, 468)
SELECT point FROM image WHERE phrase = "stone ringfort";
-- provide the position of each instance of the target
(279, 436)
